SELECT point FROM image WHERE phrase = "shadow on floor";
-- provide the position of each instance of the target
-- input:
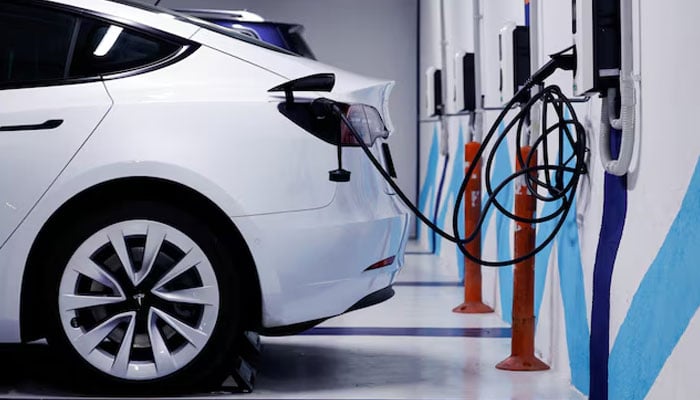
(34, 369)
(285, 368)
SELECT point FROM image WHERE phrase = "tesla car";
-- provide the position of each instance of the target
(284, 35)
(158, 198)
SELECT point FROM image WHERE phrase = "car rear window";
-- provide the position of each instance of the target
(204, 25)
(103, 48)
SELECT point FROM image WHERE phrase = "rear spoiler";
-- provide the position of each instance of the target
(312, 83)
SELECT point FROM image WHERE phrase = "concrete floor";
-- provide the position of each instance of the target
(410, 347)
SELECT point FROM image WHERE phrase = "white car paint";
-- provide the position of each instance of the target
(208, 123)
(42, 154)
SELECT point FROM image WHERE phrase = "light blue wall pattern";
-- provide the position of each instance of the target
(426, 199)
(571, 283)
(649, 333)
(662, 307)
(574, 300)
(444, 220)
(502, 168)
(572, 291)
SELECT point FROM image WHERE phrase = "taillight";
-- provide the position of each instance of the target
(365, 119)
(367, 122)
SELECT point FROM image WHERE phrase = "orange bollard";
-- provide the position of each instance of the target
(523, 337)
(473, 303)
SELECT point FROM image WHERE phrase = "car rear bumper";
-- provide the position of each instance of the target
(313, 264)
(371, 299)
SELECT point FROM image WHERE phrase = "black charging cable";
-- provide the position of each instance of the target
(560, 189)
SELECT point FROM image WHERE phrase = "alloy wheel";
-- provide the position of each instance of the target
(139, 300)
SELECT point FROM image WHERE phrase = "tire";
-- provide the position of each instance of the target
(168, 324)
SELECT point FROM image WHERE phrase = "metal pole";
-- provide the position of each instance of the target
(478, 132)
(444, 142)
(522, 356)
(473, 301)
(536, 111)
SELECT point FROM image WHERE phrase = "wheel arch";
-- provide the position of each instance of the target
(32, 316)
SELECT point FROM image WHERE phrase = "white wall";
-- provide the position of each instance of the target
(458, 18)
(373, 38)
(654, 297)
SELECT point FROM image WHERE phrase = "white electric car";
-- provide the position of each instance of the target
(156, 199)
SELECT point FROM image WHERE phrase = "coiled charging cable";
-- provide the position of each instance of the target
(561, 176)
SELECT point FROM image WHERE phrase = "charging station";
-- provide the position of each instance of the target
(465, 81)
(596, 30)
(514, 59)
(433, 79)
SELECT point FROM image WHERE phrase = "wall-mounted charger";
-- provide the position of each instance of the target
(514, 56)
(596, 29)
(465, 81)
(434, 102)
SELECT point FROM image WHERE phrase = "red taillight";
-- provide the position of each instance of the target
(364, 118)
(346, 136)
(381, 264)
(367, 122)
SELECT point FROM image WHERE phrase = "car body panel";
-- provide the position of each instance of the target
(42, 153)
(330, 247)
(349, 87)
(219, 122)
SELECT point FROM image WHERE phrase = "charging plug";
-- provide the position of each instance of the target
(339, 175)
(322, 108)
(556, 61)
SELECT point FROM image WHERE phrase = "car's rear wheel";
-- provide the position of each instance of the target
(144, 297)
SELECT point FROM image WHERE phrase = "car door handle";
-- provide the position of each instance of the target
(48, 125)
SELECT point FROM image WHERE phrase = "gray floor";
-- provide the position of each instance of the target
(410, 347)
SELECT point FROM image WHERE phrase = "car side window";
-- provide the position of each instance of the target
(34, 44)
(103, 48)
(45, 46)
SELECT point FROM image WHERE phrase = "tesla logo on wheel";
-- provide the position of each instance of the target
(139, 298)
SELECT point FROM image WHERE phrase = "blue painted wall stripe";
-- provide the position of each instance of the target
(666, 301)
(614, 214)
(502, 168)
(573, 293)
(571, 283)
(444, 219)
(461, 165)
(527, 13)
(410, 331)
(429, 284)
(426, 199)
(543, 231)
(542, 259)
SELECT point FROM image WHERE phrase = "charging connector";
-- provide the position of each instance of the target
(321, 108)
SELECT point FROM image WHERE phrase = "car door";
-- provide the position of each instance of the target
(45, 114)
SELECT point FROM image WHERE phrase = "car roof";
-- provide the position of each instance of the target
(239, 15)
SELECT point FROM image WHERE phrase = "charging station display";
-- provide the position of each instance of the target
(466, 81)
(433, 79)
(514, 57)
(596, 30)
